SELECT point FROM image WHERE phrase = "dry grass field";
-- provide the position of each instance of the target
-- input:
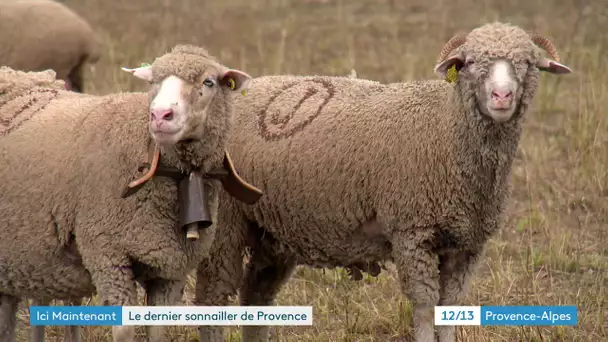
(553, 249)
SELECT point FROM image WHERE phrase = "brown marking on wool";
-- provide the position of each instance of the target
(279, 128)
(18, 110)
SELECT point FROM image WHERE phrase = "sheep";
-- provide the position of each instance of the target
(37, 333)
(354, 171)
(43, 34)
(65, 159)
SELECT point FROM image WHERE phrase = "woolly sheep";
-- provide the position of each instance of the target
(65, 159)
(41, 34)
(354, 171)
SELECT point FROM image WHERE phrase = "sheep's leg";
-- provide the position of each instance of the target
(8, 317)
(419, 278)
(455, 272)
(162, 292)
(37, 332)
(115, 285)
(75, 78)
(217, 279)
(264, 276)
(219, 276)
(72, 332)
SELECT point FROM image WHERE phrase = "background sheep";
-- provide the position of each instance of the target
(76, 152)
(37, 35)
(354, 171)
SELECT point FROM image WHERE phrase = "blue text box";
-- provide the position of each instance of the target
(76, 315)
(529, 315)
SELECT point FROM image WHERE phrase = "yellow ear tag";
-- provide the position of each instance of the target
(231, 83)
(244, 92)
(451, 75)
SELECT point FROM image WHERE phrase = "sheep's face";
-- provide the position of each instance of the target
(169, 109)
(495, 66)
(496, 85)
(179, 109)
(500, 92)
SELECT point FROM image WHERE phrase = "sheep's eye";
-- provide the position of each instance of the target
(469, 62)
(209, 82)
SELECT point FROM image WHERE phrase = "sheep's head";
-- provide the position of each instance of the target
(190, 95)
(498, 67)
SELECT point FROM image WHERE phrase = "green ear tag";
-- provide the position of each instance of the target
(144, 65)
(451, 75)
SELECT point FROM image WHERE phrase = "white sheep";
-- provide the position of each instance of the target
(67, 232)
(357, 172)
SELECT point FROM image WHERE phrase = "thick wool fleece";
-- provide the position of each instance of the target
(65, 159)
(43, 34)
(355, 171)
(331, 175)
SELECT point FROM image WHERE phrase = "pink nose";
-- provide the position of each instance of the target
(161, 114)
(499, 94)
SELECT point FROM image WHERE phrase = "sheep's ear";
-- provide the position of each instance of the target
(549, 65)
(442, 68)
(145, 72)
(235, 80)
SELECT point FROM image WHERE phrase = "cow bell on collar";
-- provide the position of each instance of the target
(193, 205)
